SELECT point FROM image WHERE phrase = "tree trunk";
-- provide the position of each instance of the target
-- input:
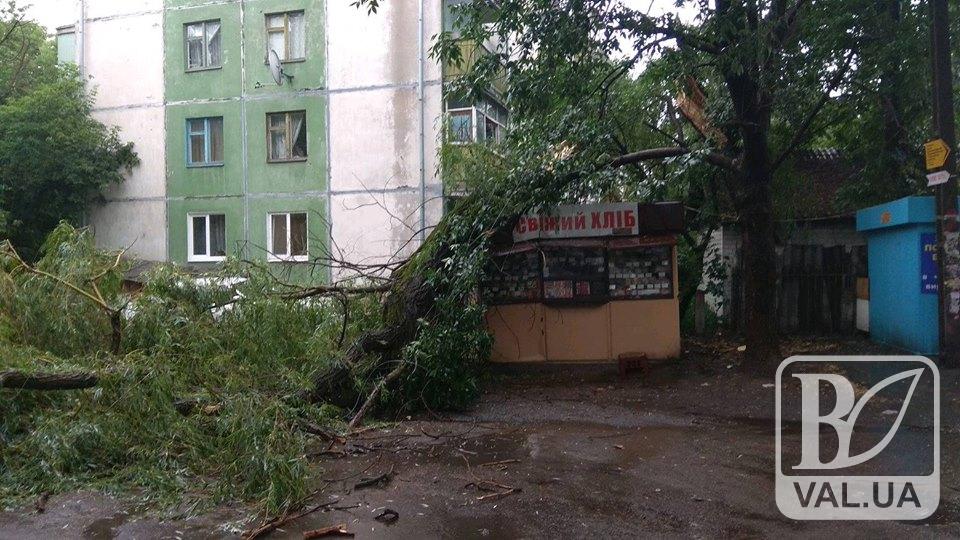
(759, 272)
(755, 205)
(116, 331)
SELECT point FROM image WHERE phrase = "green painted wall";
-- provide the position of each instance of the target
(307, 74)
(178, 210)
(223, 82)
(309, 175)
(183, 181)
(242, 189)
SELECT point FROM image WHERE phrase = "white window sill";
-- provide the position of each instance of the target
(288, 258)
(202, 68)
(204, 258)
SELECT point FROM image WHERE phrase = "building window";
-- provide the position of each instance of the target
(287, 136)
(66, 45)
(205, 142)
(491, 121)
(203, 45)
(287, 236)
(485, 120)
(286, 35)
(461, 125)
(207, 237)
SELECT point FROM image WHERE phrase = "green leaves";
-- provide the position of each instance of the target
(54, 160)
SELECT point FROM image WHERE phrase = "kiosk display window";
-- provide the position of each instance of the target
(642, 272)
(574, 273)
(515, 277)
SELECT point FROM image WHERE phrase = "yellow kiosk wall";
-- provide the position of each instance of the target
(534, 332)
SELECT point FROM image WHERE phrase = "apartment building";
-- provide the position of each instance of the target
(340, 157)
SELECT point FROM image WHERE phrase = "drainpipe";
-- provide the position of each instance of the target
(422, 126)
(81, 33)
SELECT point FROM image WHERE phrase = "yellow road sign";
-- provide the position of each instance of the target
(936, 152)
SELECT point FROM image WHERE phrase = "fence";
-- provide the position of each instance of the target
(816, 292)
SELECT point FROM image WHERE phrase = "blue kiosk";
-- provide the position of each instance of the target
(902, 266)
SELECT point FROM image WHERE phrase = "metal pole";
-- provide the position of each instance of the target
(421, 102)
(947, 226)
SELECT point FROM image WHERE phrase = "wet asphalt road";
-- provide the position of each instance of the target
(667, 453)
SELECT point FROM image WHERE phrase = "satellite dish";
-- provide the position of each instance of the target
(276, 68)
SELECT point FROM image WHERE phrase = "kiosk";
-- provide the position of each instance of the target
(587, 283)
(902, 267)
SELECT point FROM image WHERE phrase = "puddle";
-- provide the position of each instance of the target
(103, 529)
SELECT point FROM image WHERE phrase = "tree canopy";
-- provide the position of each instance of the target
(755, 81)
(55, 159)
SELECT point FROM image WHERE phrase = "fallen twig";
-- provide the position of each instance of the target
(498, 494)
(336, 530)
(345, 478)
(380, 480)
(481, 484)
(431, 435)
(275, 523)
(501, 462)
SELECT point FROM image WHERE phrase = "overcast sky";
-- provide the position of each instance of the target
(51, 13)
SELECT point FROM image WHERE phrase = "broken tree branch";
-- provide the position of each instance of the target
(47, 381)
(335, 530)
(114, 314)
(714, 158)
(275, 523)
(372, 398)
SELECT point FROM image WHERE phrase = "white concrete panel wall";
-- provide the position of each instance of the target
(379, 49)
(144, 127)
(374, 139)
(139, 225)
(123, 58)
(433, 113)
(375, 227)
(112, 8)
(375, 127)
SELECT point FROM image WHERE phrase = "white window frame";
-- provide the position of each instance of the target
(191, 257)
(476, 111)
(473, 123)
(500, 128)
(207, 64)
(287, 257)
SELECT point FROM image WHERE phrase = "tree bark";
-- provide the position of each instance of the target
(47, 381)
(755, 204)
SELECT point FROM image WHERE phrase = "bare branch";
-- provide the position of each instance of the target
(801, 132)
(714, 158)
